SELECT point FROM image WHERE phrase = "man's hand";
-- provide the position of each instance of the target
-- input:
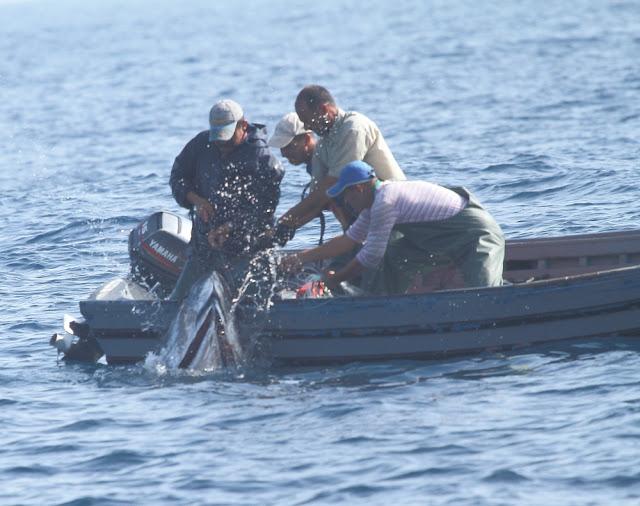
(331, 280)
(283, 233)
(219, 236)
(201, 206)
(204, 210)
(290, 263)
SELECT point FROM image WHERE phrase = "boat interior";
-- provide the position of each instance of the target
(536, 259)
(158, 245)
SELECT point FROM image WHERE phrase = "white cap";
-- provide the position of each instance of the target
(223, 117)
(286, 129)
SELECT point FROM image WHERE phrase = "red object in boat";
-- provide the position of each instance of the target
(311, 290)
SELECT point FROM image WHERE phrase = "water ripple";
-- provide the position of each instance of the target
(505, 476)
(114, 461)
(71, 230)
(35, 470)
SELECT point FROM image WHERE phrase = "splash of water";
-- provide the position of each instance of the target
(258, 286)
(204, 334)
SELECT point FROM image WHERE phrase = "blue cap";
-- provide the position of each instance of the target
(351, 174)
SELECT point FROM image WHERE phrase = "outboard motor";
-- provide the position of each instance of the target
(158, 251)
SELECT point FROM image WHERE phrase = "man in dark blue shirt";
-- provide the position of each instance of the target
(228, 178)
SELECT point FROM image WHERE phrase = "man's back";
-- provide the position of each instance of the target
(355, 137)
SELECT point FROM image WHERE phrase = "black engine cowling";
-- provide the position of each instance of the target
(158, 250)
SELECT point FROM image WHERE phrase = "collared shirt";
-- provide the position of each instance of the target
(398, 202)
(353, 137)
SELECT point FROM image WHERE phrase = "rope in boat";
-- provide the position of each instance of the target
(323, 223)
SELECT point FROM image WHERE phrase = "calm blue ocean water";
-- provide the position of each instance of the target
(533, 105)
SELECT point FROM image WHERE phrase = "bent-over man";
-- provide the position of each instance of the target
(417, 236)
(297, 144)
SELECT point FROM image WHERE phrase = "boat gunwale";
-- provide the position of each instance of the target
(151, 308)
(540, 283)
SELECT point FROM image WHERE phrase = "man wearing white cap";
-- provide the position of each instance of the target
(229, 180)
(297, 144)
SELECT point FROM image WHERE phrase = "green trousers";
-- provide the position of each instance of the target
(466, 250)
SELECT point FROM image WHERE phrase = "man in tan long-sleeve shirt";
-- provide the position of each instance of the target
(346, 136)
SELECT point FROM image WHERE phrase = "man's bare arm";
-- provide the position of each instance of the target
(351, 270)
(335, 247)
(202, 206)
(305, 211)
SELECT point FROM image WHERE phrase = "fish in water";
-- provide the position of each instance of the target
(202, 335)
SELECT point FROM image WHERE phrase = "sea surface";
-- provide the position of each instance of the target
(535, 106)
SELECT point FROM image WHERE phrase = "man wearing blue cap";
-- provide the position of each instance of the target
(229, 180)
(417, 236)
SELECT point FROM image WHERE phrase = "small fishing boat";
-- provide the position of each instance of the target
(556, 288)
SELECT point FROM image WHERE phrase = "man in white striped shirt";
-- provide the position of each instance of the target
(416, 236)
